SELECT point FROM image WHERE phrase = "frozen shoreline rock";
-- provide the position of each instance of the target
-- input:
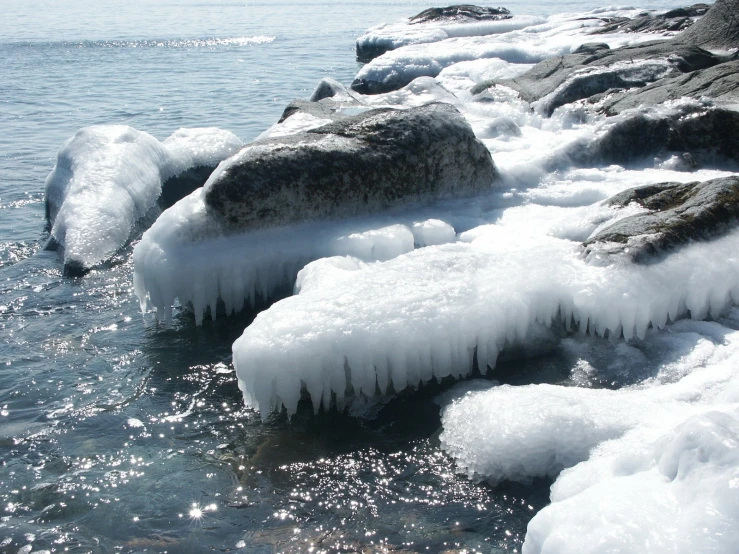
(107, 177)
(679, 214)
(672, 21)
(373, 161)
(431, 25)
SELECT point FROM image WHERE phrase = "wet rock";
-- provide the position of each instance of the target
(679, 214)
(704, 135)
(669, 22)
(591, 48)
(720, 82)
(366, 163)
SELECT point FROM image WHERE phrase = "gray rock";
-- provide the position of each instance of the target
(565, 79)
(701, 135)
(718, 29)
(669, 22)
(461, 13)
(591, 48)
(720, 82)
(366, 163)
(679, 214)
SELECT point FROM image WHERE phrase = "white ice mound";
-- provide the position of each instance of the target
(187, 256)
(107, 177)
(425, 314)
(651, 468)
(394, 35)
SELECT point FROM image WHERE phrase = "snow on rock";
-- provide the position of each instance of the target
(109, 176)
(380, 39)
(532, 43)
(427, 313)
(187, 255)
(649, 467)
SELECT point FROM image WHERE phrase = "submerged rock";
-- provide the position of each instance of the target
(366, 163)
(679, 214)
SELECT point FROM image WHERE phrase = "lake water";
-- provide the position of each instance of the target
(117, 435)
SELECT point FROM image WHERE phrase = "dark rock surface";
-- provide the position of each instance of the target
(366, 163)
(177, 187)
(679, 214)
(461, 13)
(721, 83)
(672, 21)
(700, 135)
(578, 76)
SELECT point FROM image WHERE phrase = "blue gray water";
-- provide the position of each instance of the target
(117, 435)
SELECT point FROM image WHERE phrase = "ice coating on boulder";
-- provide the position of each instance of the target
(108, 176)
(428, 313)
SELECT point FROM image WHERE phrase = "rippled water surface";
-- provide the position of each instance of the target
(117, 435)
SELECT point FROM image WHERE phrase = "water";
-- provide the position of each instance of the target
(119, 436)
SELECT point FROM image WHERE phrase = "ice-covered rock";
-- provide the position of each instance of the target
(563, 80)
(436, 24)
(648, 467)
(108, 177)
(679, 214)
(667, 23)
(362, 164)
(428, 313)
(539, 40)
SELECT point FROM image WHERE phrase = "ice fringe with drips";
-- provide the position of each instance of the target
(362, 328)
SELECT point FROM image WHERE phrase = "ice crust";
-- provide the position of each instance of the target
(649, 467)
(557, 36)
(187, 256)
(427, 313)
(107, 177)
(402, 33)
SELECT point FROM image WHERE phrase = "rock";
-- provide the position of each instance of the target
(705, 135)
(329, 88)
(380, 40)
(361, 164)
(669, 22)
(591, 48)
(565, 79)
(720, 82)
(460, 13)
(679, 214)
(718, 29)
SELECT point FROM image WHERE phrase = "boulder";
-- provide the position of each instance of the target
(720, 82)
(565, 79)
(718, 29)
(669, 22)
(429, 22)
(361, 164)
(679, 214)
(700, 134)
(462, 13)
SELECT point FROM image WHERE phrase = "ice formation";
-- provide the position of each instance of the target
(427, 313)
(671, 441)
(186, 255)
(557, 36)
(107, 177)
(402, 33)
